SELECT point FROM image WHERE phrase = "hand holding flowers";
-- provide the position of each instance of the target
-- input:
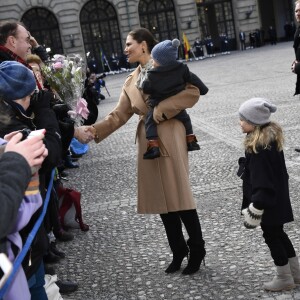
(65, 75)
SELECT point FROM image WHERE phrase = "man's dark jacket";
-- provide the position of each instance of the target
(297, 55)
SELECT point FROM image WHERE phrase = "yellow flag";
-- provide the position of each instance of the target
(186, 46)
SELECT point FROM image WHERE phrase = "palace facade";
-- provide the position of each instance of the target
(97, 28)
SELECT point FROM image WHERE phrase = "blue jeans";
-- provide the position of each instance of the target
(36, 284)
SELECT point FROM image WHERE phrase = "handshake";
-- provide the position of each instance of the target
(252, 216)
(84, 134)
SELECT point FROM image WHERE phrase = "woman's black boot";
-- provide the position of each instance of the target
(195, 260)
(177, 260)
(176, 240)
(195, 242)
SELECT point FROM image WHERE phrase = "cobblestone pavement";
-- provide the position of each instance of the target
(123, 255)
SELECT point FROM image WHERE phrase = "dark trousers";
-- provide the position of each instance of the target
(173, 226)
(279, 244)
(199, 52)
(52, 218)
(243, 45)
(151, 126)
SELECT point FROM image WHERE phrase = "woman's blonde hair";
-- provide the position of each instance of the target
(33, 58)
(263, 136)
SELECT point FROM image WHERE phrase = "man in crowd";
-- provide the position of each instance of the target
(15, 44)
(296, 63)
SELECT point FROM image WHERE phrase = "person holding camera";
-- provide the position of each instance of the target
(17, 84)
(15, 45)
(16, 160)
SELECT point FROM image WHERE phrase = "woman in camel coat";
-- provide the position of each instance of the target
(163, 183)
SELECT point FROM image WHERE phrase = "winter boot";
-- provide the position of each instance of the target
(294, 265)
(195, 242)
(282, 281)
(152, 150)
(180, 250)
(192, 143)
(177, 260)
(196, 257)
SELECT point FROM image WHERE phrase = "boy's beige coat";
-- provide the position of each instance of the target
(163, 183)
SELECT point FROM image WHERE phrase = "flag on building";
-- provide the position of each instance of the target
(186, 46)
(104, 62)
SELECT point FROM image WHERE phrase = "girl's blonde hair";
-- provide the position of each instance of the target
(263, 136)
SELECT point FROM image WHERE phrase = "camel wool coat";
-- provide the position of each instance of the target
(163, 183)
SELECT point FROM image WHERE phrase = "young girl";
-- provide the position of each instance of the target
(266, 200)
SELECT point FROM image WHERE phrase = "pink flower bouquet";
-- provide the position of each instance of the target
(66, 75)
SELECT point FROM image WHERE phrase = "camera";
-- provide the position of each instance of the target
(25, 132)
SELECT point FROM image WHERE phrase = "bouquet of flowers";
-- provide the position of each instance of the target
(65, 75)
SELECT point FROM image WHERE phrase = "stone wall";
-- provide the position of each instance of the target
(245, 13)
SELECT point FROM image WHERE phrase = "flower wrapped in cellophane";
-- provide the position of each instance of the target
(65, 75)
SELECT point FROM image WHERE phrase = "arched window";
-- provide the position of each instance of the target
(159, 17)
(43, 26)
(100, 31)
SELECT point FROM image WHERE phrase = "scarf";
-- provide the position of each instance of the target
(17, 58)
(143, 75)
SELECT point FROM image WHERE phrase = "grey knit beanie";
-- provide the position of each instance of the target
(16, 81)
(257, 111)
(166, 52)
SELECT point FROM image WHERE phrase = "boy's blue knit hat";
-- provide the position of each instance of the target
(16, 81)
(166, 52)
(257, 111)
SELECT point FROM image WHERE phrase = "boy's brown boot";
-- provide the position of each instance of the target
(192, 143)
(152, 150)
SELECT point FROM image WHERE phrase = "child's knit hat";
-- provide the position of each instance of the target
(16, 81)
(257, 111)
(166, 52)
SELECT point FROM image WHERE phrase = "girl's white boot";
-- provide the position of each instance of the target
(282, 281)
(294, 265)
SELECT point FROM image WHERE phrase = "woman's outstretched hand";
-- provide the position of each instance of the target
(84, 134)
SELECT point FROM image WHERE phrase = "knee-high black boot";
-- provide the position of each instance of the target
(195, 242)
(176, 240)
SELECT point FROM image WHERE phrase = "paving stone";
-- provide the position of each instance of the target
(124, 255)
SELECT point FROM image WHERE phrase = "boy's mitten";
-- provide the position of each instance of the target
(252, 216)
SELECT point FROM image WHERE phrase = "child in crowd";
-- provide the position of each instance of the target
(17, 84)
(167, 78)
(266, 199)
